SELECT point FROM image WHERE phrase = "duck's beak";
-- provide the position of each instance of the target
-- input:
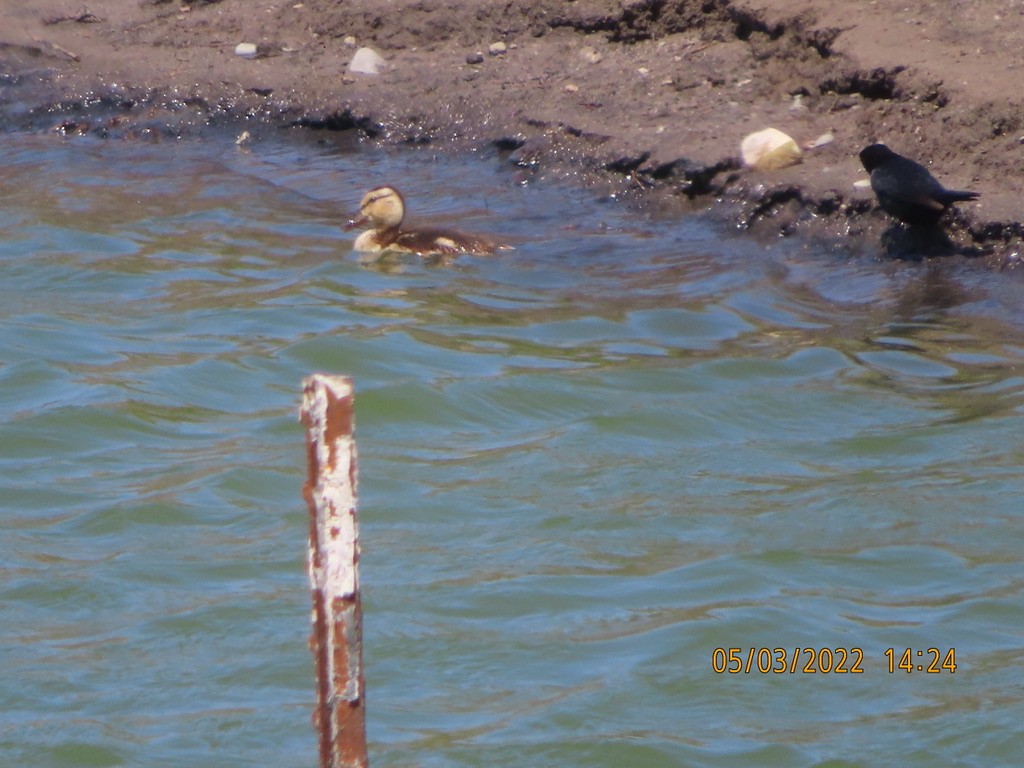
(358, 221)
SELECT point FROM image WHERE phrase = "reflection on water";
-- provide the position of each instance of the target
(586, 464)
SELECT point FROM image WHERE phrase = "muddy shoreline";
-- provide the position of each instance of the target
(648, 98)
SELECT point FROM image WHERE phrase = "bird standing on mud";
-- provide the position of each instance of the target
(906, 190)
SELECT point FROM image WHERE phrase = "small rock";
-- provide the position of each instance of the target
(475, 58)
(769, 150)
(643, 71)
(497, 49)
(350, 41)
(246, 50)
(571, 88)
(366, 61)
(590, 55)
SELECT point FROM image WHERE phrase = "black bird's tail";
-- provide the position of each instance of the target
(956, 195)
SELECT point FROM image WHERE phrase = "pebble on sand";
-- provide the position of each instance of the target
(246, 50)
(769, 150)
(366, 61)
(475, 58)
(496, 49)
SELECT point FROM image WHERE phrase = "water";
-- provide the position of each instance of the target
(585, 466)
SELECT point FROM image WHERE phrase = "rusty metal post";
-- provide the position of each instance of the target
(333, 566)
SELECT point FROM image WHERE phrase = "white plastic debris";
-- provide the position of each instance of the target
(821, 141)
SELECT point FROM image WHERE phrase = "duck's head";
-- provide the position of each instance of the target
(382, 207)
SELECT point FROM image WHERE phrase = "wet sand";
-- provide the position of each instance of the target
(650, 99)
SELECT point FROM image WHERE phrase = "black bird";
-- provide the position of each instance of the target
(906, 190)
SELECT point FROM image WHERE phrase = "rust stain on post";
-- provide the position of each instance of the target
(333, 566)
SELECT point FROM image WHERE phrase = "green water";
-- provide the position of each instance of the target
(585, 464)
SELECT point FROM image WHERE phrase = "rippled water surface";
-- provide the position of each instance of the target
(586, 465)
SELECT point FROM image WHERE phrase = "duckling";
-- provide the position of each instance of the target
(384, 209)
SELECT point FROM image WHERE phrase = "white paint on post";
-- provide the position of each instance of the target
(335, 493)
(333, 567)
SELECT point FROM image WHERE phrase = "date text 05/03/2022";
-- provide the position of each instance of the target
(825, 660)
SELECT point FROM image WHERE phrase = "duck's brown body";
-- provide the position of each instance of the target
(424, 241)
(384, 209)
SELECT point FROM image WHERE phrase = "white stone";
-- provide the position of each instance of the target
(246, 50)
(367, 61)
(496, 49)
(770, 150)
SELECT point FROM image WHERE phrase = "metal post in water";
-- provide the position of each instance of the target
(333, 566)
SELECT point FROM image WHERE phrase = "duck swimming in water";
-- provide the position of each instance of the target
(384, 209)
